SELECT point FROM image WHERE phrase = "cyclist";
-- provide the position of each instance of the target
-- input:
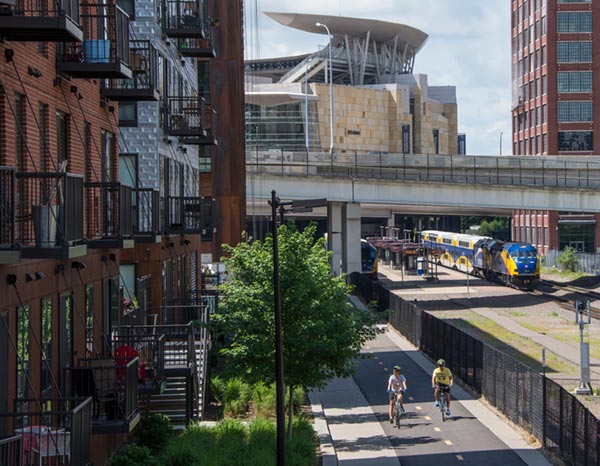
(442, 379)
(396, 386)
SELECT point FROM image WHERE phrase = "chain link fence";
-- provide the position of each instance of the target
(564, 426)
(587, 262)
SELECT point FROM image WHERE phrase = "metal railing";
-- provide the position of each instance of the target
(105, 36)
(143, 60)
(7, 207)
(45, 9)
(185, 116)
(151, 350)
(108, 210)
(58, 430)
(113, 385)
(547, 171)
(146, 210)
(183, 214)
(183, 18)
(11, 450)
(49, 205)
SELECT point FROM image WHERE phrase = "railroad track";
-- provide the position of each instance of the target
(574, 293)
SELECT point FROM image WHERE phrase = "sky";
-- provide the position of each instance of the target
(468, 47)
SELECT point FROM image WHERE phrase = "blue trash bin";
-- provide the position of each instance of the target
(96, 51)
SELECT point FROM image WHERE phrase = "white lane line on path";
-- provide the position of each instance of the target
(448, 442)
(427, 418)
(459, 457)
(437, 429)
(418, 408)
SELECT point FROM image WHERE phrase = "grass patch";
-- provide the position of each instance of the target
(562, 273)
(518, 314)
(232, 443)
(521, 348)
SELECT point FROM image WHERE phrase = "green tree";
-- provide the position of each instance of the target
(322, 331)
(568, 259)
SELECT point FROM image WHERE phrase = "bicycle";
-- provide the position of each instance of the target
(442, 402)
(398, 407)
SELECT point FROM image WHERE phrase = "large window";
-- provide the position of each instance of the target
(574, 52)
(89, 320)
(107, 155)
(46, 342)
(22, 351)
(575, 81)
(573, 141)
(574, 111)
(574, 21)
(579, 236)
(574, 1)
(62, 137)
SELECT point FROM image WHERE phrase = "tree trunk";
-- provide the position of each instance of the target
(291, 412)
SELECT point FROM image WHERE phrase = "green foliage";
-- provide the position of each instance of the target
(231, 443)
(233, 393)
(154, 432)
(568, 259)
(134, 455)
(322, 331)
(496, 228)
(264, 399)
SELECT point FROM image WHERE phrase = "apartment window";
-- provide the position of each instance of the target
(574, 52)
(544, 84)
(574, 81)
(574, 1)
(571, 111)
(204, 160)
(44, 113)
(543, 25)
(22, 350)
(128, 114)
(545, 141)
(21, 130)
(540, 149)
(544, 113)
(128, 169)
(204, 80)
(574, 21)
(574, 141)
(538, 111)
(62, 137)
(46, 342)
(129, 7)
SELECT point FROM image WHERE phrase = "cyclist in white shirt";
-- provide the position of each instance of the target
(396, 387)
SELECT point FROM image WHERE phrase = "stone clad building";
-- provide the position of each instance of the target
(379, 105)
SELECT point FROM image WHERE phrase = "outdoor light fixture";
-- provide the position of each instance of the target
(77, 265)
(29, 277)
(39, 275)
(330, 88)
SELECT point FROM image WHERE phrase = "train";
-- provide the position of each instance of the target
(368, 259)
(514, 264)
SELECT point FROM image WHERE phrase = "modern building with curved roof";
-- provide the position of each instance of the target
(378, 103)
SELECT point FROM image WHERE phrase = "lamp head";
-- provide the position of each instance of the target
(318, 24)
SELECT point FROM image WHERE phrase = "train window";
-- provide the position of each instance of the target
(447, 241)
(464, 244)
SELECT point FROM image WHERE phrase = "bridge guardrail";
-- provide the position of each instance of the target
(544, 171)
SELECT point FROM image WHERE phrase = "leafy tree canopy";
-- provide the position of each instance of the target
(322, 331)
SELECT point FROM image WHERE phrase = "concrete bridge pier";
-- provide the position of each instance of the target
(343, 236)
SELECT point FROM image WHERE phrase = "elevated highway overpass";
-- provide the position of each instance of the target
(356, 184)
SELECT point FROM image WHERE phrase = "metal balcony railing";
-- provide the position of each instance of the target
(11, 450)
(183, 214)
(104, 52)
(183, 18)
(108, 208)
(49, 209)
(146, 213)
(199, 48)
(52, 431)
(113, 386)
(35, 20)
(7, 208)
(151, 350)
(143, 86)
(210, 127)
(185, 118)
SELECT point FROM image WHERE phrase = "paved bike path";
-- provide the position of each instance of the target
(355, 411)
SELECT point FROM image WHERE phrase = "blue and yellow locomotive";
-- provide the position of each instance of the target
(515, 264)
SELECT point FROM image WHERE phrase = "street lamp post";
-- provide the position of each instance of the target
(306, 106)
(330, 88)
(501, 133)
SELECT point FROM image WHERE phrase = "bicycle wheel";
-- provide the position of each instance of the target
(397, 414)
(443, 409)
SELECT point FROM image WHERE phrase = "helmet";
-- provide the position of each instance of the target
(441, 362)
(398, 368)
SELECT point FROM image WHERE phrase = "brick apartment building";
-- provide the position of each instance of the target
(555, 108)
(109, 196)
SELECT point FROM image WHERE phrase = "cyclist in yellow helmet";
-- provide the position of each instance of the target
(442, 380)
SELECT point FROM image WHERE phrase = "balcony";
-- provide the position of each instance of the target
(210, 128)
(104, 52)
(146, 217)
(47, 431)
(109, 219)
(143, 86)
(9, 249)
(207, 222)
(185, 119)
(113, 386)
(182, 215)
(149, 347)
(49, 215)
(32, 21)
(183, 18)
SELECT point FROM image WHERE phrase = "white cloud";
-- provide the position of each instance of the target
(468, 46)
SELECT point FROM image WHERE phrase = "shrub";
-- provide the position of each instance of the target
(264, 399)
(568, 259)
(134, 455)
(154, 432)
(233, 393)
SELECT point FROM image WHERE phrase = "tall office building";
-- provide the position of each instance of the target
(553, 105)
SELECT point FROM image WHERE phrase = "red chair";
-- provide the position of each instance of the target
(123, 355)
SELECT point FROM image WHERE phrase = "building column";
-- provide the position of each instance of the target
(351, 259)
(334, 235)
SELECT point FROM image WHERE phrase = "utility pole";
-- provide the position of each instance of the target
(583, 318)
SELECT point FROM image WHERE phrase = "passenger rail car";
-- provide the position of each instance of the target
(368, 258)
(515, 264)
